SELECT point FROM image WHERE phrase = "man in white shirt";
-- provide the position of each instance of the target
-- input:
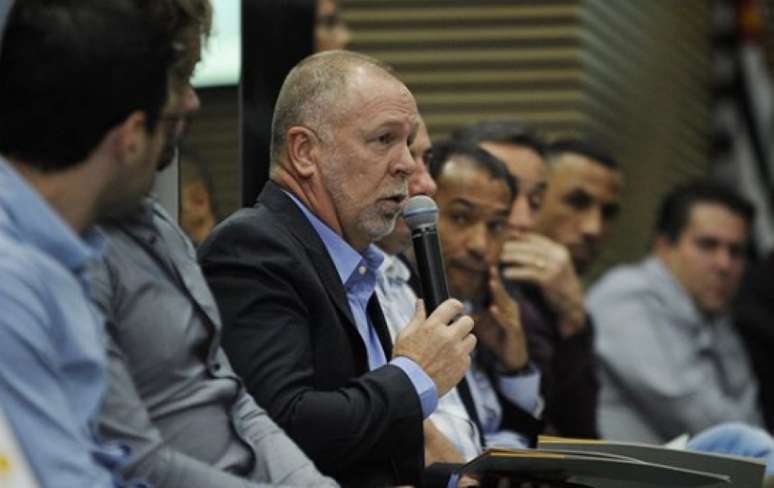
(450, 434)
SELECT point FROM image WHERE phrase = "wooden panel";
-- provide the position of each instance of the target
(470, 60)
(635, 74)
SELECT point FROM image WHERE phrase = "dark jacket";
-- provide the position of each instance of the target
(289, 333)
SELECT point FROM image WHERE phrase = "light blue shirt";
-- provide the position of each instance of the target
(52, 351)
(522, 390)
(358, 273)
(665, 367)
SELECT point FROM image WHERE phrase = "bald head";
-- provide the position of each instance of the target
(314, 94)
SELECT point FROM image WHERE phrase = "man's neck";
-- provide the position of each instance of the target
(317, 200)
(64, 192)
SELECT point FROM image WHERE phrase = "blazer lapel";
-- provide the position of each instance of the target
(275, 198)
(377, 319)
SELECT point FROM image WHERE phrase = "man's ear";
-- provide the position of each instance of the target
(130, 137)
(303, 147)
(662, 244)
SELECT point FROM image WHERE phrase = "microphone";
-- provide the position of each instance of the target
(421, 215)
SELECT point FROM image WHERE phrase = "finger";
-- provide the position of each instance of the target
(496, 287)
(446, 311)
(518, 255)
(419, 315)
(469, 343)
(462, 326)
(529, 245)
(507, 316)
(523, 273)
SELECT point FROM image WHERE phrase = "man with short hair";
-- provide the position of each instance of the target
(173, 397)
(61, 60)
(583, 198)
(540, 275)
(475, 195)
(580, 203)
(523, 152)
(294, 277)
(670, 359)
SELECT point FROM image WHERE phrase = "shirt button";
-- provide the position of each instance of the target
(362, 270)
(215, 366)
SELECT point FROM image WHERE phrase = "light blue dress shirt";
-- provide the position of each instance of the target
(52, 351)
(358, 273)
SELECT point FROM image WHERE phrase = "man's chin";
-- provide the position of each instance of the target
(466, 286)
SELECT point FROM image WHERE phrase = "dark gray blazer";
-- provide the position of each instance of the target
(290, 334)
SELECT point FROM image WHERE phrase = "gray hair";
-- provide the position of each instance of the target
(311, 91)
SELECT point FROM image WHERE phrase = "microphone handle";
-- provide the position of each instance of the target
(432, 272)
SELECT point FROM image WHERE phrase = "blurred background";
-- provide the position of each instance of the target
(673, 88)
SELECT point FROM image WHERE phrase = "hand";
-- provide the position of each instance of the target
(438, 448)
(441, 350)
(540, 261)
(499, 327)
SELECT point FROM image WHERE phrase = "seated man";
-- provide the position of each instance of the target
(80, 137)
(475, 194)
(451, 435)
(538, 268)
(294, 278)
(169, 380)
(670, 360)
(580, 204)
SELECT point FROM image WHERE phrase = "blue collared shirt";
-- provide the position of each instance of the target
(52, 350)
(358, 273)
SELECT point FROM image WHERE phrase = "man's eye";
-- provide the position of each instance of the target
(707, 244)
(610, 211)
(736, 251)
(497, 227)
(386, 138)
(459, 219)
(535, 201)
(578, 200)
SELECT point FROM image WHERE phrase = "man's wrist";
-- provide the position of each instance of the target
(522, 370)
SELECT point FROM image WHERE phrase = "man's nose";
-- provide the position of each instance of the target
(522, 218)
(191, 102)
(421, 183)
(477, 240)
(405, 163)
(592, 224)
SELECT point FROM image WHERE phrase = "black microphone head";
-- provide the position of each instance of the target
(420, 211)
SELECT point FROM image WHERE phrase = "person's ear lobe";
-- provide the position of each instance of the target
(303, 151)
(662, 244)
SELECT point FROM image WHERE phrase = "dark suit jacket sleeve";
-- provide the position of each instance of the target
(283, 337)
(569, 382)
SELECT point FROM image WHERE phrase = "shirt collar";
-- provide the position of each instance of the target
(676, 297)
(32, 219)
(345, 258)
(393, 268)
(140, 223)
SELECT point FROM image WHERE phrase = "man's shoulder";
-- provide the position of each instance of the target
(25, 264)
(32, 281)
(623, 282)
(255, 234)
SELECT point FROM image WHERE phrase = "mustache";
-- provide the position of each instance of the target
(469, 264)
